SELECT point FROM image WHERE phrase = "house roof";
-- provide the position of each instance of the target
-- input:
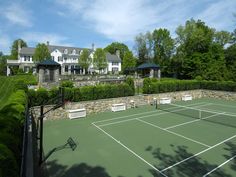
(27, 51)
(48, 62)
(112, 58)
(69, 49)
(148, 66)
(30, 50)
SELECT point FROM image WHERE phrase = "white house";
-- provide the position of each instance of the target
(67, 57)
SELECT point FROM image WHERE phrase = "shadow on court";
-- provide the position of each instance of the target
(195, 166)
(55, 169)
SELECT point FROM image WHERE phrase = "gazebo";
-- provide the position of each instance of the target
(150, 70)
(48, 71)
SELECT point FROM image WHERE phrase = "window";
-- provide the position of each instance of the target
(28, 58)
(66, 68)
(65, 58)
(114, 69)
(26, 69)
(74, 52)
(59, 58)
(115, 63)
(24, 58)
(65, 51)
(53, 58)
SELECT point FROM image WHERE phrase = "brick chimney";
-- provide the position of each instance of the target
(19, 48)
(93, 47)
(118, 53)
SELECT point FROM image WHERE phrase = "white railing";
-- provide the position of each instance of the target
(13, 61)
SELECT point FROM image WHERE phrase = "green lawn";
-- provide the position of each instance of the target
(144, 142)
(6, 88)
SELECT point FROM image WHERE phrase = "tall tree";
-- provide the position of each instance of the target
(85, 59)
(230, 57)
(14, 48)
(223, 37)
(143, 47)
(163, 48)
(194, 41)
(3, 63)
(41, 53)
(129, 61)
(99, 60)
(111, 48)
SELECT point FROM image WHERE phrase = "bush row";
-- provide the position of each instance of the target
(11, 122)
(154, 86)
(41, 96)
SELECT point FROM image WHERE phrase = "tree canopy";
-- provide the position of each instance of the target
(41, 53)
(85, 59)
(129, 61)
(111, 48)
(99, 60)
(14, 48)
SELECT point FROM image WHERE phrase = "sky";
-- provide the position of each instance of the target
(80, 23)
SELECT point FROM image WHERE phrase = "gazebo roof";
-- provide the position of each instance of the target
(48, 62)
(148, 66)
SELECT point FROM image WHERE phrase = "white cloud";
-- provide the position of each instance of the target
(5, 42)
(17, 14)
(122, 20)
(38, 37)
(219, 14)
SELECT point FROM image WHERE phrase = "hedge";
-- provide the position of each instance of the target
(154, 86)
(11, 122)
(85, 93)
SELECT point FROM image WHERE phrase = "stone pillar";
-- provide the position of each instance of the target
(8, 71)
(56, 75)
(151, 73)
(159, 74)
(41, 75)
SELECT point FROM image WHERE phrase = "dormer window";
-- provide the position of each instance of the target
(73, 51)
(65, 51)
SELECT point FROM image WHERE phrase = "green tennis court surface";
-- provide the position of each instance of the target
(143, 142)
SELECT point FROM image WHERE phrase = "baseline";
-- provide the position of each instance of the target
(112, 123)
(122, 117)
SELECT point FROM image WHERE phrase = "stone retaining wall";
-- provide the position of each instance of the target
(102, 105)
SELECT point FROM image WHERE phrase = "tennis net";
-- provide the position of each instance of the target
(222, 118)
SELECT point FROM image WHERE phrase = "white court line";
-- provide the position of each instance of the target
(185, 123)
(198, 153)
(112, 123)
(223, 105)
(130, 150)
(173, 133)
(219, 166)
(204, 103)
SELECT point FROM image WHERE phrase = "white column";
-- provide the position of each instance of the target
(159, 74)
(8, 71)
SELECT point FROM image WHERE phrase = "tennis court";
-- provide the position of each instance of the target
(192, 138)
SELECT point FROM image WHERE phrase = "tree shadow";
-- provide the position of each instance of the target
(54, 169)
(232, 149)
(195, 166)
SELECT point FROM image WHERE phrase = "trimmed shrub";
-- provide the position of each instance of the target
(69, 84)
(130, 82)
(181, 85)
